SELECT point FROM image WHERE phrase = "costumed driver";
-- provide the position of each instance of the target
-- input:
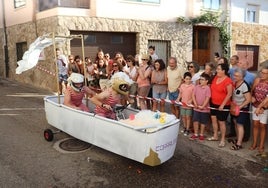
(117, 92)
(75, 92)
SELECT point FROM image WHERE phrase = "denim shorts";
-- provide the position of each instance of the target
(173, 95)
(63, 78)
(159, 95)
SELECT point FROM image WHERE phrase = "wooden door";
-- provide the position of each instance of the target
(201, 45)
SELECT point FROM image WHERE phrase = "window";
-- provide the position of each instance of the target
(146, 1)
(90, 39)
(252, 13)
(212, 4)
(19, 3)
(21, 47)
(117, 39)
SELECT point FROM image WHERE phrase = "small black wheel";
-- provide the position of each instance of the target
(48, 134)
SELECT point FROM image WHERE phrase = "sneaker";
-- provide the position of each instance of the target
(186, 133)
(183, 131)
(201, 138)
(193, 137)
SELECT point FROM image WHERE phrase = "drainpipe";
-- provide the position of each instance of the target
(5, 42)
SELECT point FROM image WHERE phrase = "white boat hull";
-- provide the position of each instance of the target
(151, 148)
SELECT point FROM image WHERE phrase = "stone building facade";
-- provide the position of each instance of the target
(179, 35)
(250, 34)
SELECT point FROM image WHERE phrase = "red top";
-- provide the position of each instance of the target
(76, 97)
(111, 101)
(219, 90)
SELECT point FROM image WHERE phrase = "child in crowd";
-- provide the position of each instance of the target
(76, 91)
(185, 96)
(201, 113)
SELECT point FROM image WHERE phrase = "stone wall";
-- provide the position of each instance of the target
(250, 34)
(180, 36)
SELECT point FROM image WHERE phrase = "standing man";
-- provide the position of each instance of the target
(62, 70)
(175, 76)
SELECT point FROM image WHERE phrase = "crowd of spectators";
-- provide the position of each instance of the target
(204, 99)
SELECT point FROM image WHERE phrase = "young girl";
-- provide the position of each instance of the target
(201, 116)
(185, 96)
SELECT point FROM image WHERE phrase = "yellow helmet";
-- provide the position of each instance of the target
(121, 82)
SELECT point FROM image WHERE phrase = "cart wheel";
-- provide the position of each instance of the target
(48, 134)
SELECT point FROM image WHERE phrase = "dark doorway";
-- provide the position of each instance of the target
(201, 44)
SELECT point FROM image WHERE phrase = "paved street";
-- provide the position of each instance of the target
(27, 160)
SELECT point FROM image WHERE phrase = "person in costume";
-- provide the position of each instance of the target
(118, 91)
(75, 92)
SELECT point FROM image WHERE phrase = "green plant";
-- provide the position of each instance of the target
(215, 19)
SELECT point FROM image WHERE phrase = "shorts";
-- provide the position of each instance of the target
(63, 78)
(262, 117)
(144, 91)
(160, 95)
(201, 117)
(242, 118)
(173, 95)
(186, 111)
(220, 115)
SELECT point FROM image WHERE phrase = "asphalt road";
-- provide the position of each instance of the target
(27, 160)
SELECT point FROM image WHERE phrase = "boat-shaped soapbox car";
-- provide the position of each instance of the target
(150, 142)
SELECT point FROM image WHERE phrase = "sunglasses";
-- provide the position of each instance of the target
(144, 59)
(190, 66)
(115, 65)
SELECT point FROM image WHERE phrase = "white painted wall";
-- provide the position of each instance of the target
(238, 10)
(167, 10)
(19, 15)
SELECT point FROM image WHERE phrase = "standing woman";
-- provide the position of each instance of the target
(132, 72)
(194, 68)
(143, 80)
(259, 93)
(159, 81)
(242, 98)
(221, 93)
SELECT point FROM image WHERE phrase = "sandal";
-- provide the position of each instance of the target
(233, 141)
(236, 147)
(261, 150)
(252, 147)
(212, 139)
(221, 144)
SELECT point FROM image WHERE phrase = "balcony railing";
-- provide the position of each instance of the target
(45, 5)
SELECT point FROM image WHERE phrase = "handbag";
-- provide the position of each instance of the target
(234, 109)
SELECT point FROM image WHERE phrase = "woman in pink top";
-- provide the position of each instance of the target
(76, 91)
(143, 80)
